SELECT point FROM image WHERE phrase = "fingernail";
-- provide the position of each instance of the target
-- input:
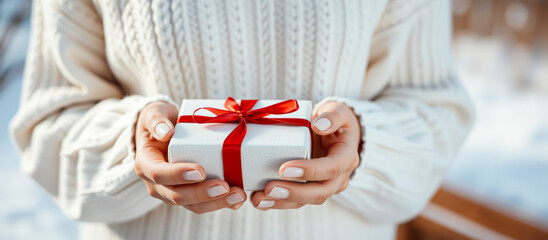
(322, 124)
(234, 198)
(193, 175)
(162, 129)
(266, 204)
(293, 172)
(279, 192)
(216, 191)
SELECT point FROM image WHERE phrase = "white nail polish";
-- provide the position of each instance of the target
(279, 192)
(193, 175)
(293, 172)
(162, 129)
(216, 191)
(234, 198)
(266, 204)
(322, 124)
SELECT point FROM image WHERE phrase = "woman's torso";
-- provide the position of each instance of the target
(244, 49)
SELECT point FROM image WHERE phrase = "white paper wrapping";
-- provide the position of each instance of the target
(264, 149)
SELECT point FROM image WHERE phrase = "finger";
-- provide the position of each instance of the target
(194, 193)
(155, 193)
(341, 158)
(158, 119)
(263, 202)
(151, 165)
(350, 135)
(234, 199)
(305, 193)
(237, 206)
(331, 117)
(344, 185)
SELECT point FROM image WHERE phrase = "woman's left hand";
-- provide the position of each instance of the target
(339, 132)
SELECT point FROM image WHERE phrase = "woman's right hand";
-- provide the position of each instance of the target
(176, 183)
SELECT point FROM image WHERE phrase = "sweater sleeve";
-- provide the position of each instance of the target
(414, 127)
(74, 128)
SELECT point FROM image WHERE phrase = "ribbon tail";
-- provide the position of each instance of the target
(232, 156)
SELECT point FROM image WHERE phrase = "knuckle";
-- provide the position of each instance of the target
(138, 171)
(191, 208)
(355, 161)
(154, 177)
(335, 114)
(148, 146)
(311, 174)
(334, 171)
(156, 115)
(148, 108)
(168, 202)
(338, 105)
(177, 198)
(343, 187)
(342, 108)
(198, 210)
(152, 192)
(197, 195)
(220, 204)
(321, 198)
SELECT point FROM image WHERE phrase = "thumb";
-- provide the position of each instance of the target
(159, 119)
(329, 120)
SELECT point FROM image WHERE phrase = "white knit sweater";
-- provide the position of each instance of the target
(93, 64)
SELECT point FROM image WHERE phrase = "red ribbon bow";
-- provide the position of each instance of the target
(241, 114)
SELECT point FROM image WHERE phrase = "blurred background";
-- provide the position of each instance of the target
(497, 186)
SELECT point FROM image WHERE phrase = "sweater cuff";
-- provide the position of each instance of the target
(135, 197)
(382, 147)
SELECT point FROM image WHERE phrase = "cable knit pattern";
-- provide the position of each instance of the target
(94, 64)
(323, 51)
(309, 48)
(266, 43)
(279, 32)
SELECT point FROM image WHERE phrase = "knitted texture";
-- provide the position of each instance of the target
(94, 64)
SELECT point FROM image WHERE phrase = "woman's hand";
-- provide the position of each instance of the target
(176, 183)
(339, 132)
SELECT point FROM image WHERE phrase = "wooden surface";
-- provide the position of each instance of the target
(422, 228)
(451, 215)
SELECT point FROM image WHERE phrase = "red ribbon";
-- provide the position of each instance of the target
(242, 114)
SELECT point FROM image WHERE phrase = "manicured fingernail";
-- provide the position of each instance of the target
(266, 204)
(193, 175)
(322, 124)
(293, 172)
(234, 198)
(162, 129)
(216, 191)
(279, 192)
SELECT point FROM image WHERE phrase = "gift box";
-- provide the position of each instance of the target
(244, 142)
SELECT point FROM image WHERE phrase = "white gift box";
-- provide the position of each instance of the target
(264, 149)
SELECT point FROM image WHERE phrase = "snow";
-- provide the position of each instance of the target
(26, 211)
(505, 160)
